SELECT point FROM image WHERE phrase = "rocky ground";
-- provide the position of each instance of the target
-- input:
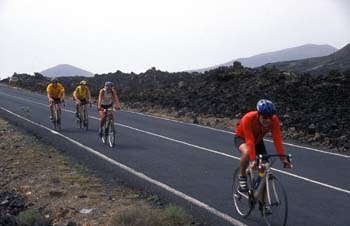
(40, 187)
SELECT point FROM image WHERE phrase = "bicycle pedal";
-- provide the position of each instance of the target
(237, 195)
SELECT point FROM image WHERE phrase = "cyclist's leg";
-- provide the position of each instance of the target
(77, 109)
(51, 110)
(59, 105)
(80, 107)
(111, 115)
(110, 112)
(102, 120)
(260, 148)
(84, 110)
(242, 147)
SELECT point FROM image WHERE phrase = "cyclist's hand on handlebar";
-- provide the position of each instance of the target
(254, 165)
(287, 164)
(117, 108)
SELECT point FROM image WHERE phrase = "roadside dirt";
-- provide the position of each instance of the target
(54, 191)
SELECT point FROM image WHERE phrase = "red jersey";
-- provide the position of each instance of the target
(250, 129)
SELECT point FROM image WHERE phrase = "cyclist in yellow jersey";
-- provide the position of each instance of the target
(55, 92)
(81, 96)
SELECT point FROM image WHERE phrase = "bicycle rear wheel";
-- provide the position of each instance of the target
(275, 211)
(243, 201)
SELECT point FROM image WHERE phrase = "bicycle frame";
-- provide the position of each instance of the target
(269, 194)
(57, 115)
(108, 128)
(83, 115)
(266, 168)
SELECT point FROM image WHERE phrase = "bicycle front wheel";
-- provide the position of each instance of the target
(111, 134)
(104, 135)
(58, 119)
(86, 120)
(275, 210)
(242, 200)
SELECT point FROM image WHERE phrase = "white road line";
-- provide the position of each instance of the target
(139, 174)
(228, 132)
(314, 181)
(211, 151)
(206, 127)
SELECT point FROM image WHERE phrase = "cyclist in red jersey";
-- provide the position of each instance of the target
(250, 132)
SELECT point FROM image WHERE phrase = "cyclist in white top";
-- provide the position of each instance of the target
(107, 98)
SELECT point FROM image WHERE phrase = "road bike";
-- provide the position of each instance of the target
(56, 120)
(83, 119)
(108, 129)
(265, 190)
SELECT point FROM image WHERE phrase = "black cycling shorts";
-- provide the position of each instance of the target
(56, 100)
(106, 106)
(259, 148)
(83, 101)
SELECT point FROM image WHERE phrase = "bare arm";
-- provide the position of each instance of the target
(99, 99)
(116, 100)
(63, 95)
(88, 93)
(48, 93)
(49, 97)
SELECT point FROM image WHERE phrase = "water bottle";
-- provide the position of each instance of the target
(258, 179)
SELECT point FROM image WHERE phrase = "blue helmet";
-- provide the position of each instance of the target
(265, 107)
(109, 85)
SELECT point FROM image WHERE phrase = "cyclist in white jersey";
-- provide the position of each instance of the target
(107, 98)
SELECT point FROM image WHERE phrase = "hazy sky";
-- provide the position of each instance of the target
(133, 35)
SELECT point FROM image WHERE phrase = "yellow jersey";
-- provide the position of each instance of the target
(55, 92)
(80, 92)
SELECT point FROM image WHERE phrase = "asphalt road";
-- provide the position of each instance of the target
(187, 164)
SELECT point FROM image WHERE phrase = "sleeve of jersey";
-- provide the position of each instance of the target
(76, 90)
(277, 137)
(48, 88)
(249, 138)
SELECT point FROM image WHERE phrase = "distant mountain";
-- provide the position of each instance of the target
(65, 70)
(339, 61)
(296, 53)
